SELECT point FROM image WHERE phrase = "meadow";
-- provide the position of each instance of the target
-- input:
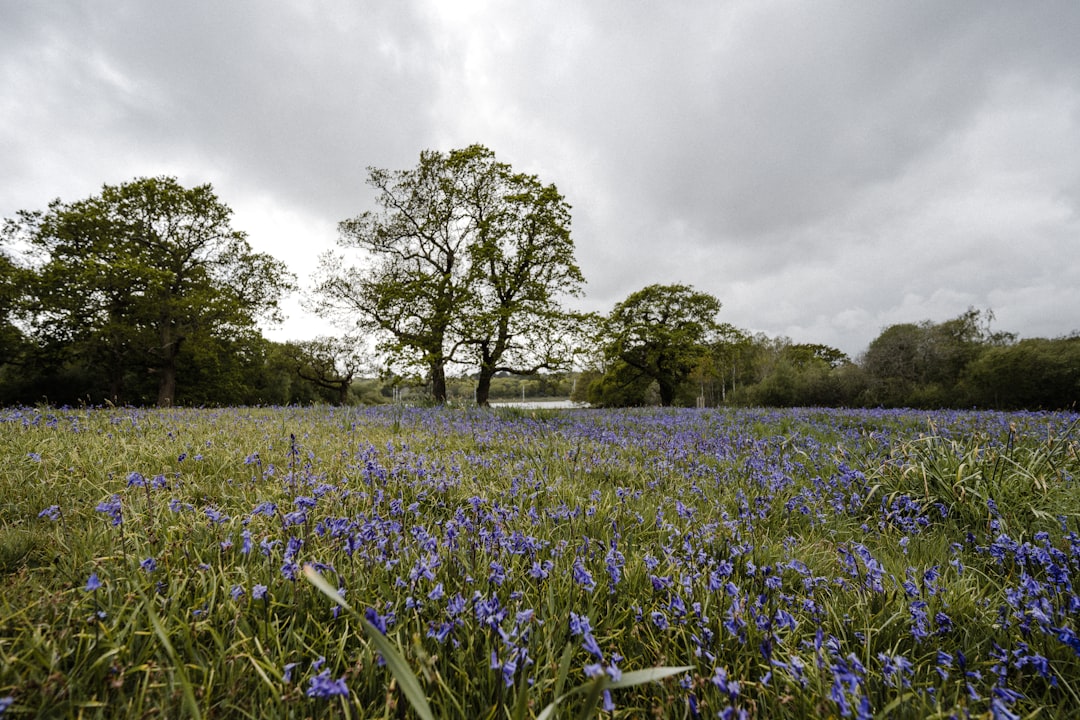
(336, 562)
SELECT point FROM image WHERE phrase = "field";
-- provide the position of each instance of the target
(508, 563)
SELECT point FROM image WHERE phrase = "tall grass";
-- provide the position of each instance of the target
(399, 562)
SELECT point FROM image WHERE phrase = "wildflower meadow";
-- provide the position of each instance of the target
(412, 562)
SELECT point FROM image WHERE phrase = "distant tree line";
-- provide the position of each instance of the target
(958, 363)
(452, 290)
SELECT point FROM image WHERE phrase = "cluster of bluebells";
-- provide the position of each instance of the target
(580, 626)
(665, 521)
(320, 682)
(324, 686)
(113, 507)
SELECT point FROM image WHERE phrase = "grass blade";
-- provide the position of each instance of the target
(639, 677)
(185, 683)
(596, 687)
(399, 667)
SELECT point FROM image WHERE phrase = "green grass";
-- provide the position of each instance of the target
(778, 549)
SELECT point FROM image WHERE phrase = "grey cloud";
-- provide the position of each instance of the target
(300, 99)
(821, 167)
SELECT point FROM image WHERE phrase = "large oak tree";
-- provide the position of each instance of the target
(125, 278)
(521, 267)
(659, 333)
(464, 261)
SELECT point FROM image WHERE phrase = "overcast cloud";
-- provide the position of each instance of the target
(824, 169)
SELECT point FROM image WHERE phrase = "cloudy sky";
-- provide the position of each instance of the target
(825, 169)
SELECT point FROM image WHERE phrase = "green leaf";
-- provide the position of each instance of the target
(596, 688)
(399, 667)
(639, 677)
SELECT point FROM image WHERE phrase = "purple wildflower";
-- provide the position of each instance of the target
(322, 686)
(287, 674)
(592, 647)
(582, 576)
(579, 624)
(113, 508)
(498, 573)
(381, 622)
(215, 516)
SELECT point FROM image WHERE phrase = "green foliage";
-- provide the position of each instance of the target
(659, 333)
(956, 363)
(582, 386)
(1021, 486)
(805, 375)
(622, 386)
(329, 363)
(133, 275)
(1035, 373)
(13, 281)
(465, 262)
(924, 365)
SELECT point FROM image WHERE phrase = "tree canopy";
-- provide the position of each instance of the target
(465, 262)
(925, 364)
(12, 294)
(329, 362)
(127, 278)
(659, 334)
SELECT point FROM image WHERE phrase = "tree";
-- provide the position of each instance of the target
(1033, 373)
(803, 355)
(660, 332)
(798, 374)
(329, 362)
(924, 364)
(893, 363)
(465, 261)
(521, 263)
(729, 355)
(13, 281)
(127, 277)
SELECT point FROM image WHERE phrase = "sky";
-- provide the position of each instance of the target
(825, 169)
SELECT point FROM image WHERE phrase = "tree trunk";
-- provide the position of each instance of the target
(667, 394)
(483, 386)
(167, 370)
(343, 392)
(438, 383)
(167, 382)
